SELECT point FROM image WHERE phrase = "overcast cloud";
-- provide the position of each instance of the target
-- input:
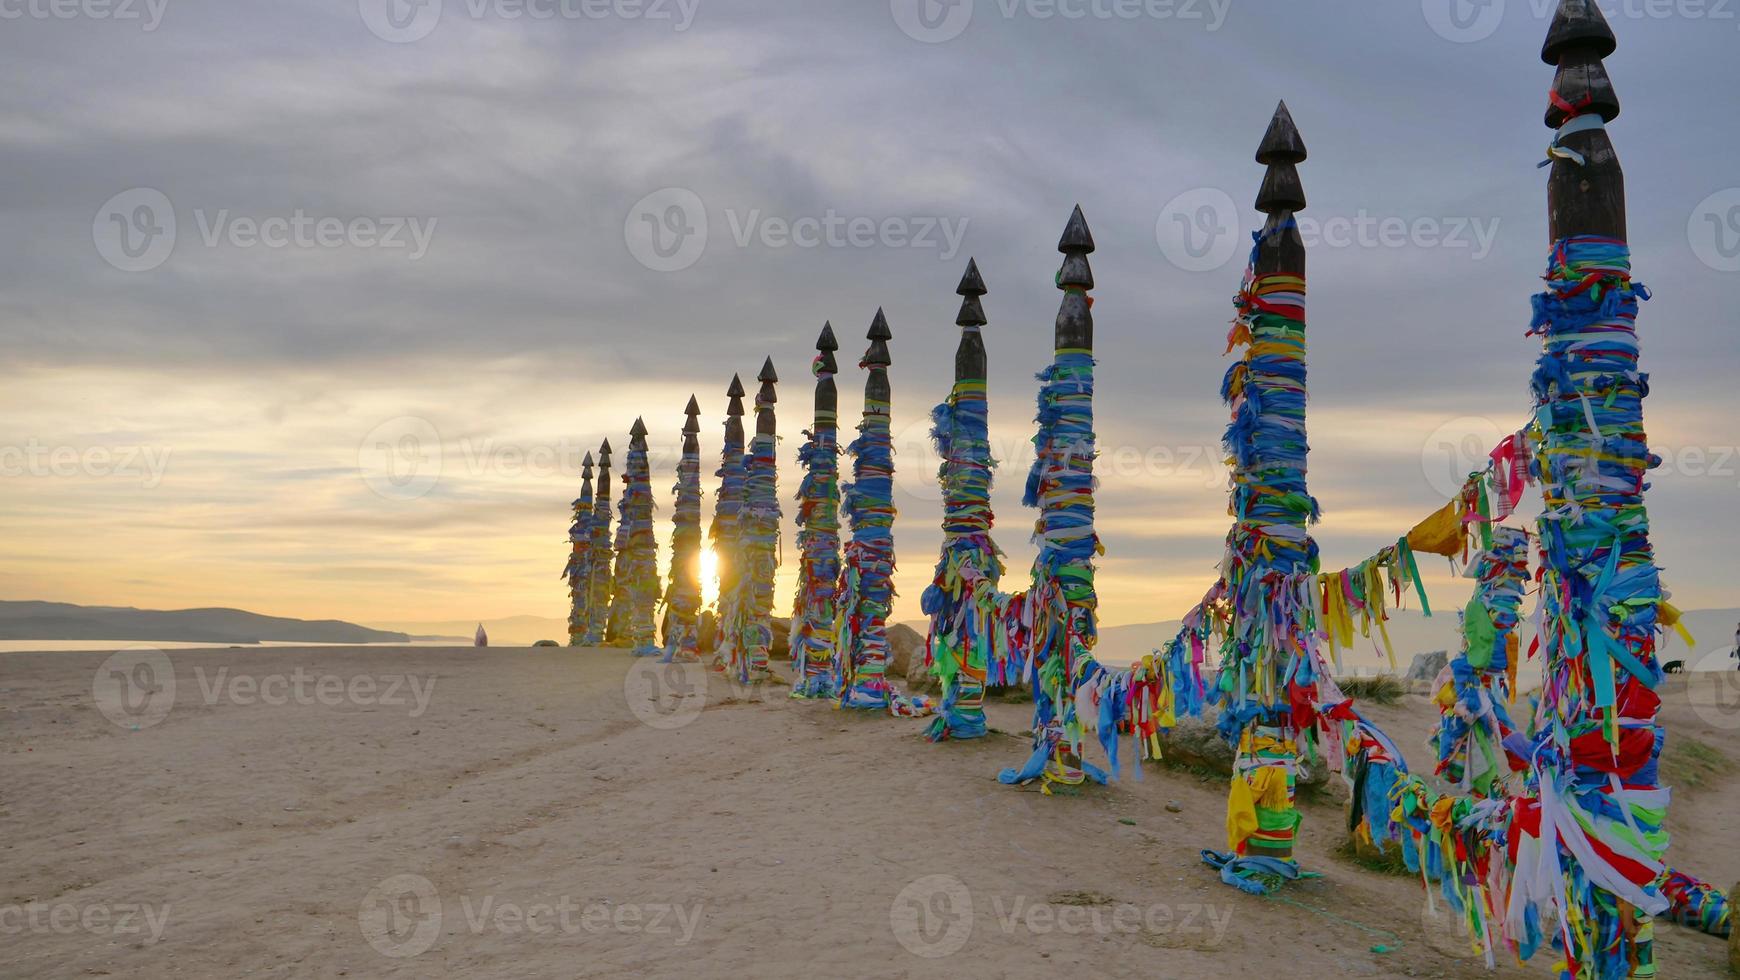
(246, 241)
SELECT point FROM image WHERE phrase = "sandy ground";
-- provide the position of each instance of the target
(428, 812)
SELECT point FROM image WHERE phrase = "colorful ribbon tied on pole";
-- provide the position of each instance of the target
(1475, 690)
(760, 532)
(727, 536)
(816, 618)
(1267, 687)
(598, 584)
(867, 584)
(640, 573)
(969, 628)
(683, 596)
(580, 541)
(1061, 602)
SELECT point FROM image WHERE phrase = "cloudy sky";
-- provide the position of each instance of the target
(312, 306)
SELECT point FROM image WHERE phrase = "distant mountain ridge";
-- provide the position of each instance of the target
(31, 620)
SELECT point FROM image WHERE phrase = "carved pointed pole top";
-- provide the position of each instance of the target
(876, 359)
(638, 429)
(1280, 248)
(1576, 43)
(693, 411)
(1075, 319)
(735, 409)
(766, 398)
(585, 483)
(1076, 237)
(877, 355)
(1578, 22)
(879, 327)
(604, 470)
(734, 417)
(827, 393)
(970, 353)
(1586, 187)
(826, 345)
(1282, 143)
(1281, 150)
(972, 284)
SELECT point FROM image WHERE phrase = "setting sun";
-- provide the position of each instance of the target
(709, 578)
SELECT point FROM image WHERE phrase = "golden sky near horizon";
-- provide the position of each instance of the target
(345, 427)
(269, 493)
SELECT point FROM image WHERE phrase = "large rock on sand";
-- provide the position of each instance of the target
(1427, 665)
(907, 648)
(1734, 940)
(1197, 745)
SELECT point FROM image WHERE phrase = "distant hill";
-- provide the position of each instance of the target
(66, 621)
